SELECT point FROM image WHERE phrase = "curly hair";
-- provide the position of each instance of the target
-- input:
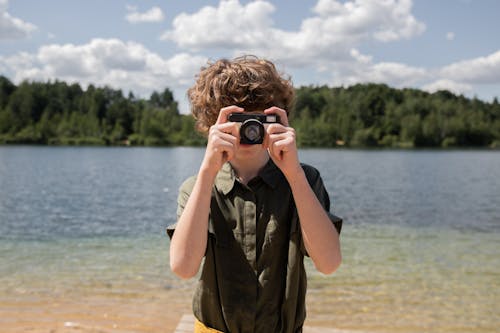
(248, 82)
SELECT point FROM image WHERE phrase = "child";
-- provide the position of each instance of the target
(253, 211)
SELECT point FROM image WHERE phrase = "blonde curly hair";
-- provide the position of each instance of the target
(248, 82)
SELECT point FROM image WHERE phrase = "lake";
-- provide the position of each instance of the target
(421, 234)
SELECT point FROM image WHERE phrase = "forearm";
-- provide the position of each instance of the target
(189, 241)
(321, 239)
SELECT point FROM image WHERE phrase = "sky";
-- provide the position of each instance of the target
(149, 45)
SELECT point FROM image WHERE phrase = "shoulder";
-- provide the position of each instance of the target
(188, 184)
(187, 187)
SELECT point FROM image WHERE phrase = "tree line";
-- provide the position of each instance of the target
(362, 115)
(57, 113)
(376, 115)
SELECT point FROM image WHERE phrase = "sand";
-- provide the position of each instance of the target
(117, 313)
(93, 313)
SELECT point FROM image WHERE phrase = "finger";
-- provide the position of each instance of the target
(226, 111)
(280, 146)
(227, 151)
(280, 139)
(224, 146)
(273, 129)
(277, 137)
(222, 138)
(280, 112)
(230, 153)
(225, 154)
(230, 131)
(229, 128)
(284, 143)
(279, 132)
(265, 142)
(276, 128)
(275, 152)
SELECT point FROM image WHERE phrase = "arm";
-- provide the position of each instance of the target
(189, 241)
(321, 239)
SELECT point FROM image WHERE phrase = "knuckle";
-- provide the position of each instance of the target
(214, 139)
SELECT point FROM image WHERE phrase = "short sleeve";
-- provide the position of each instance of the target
(184, 192)
(314, 178)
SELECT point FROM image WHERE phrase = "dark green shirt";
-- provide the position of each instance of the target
(253, 277)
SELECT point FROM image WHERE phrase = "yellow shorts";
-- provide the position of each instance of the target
(199, 327)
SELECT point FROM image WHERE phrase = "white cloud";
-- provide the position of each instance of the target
(326, 42)
(385, 21)
(228, 26)
(13, 27)
(154, 14)
(330, 34)
(327, 46)
(461, 77)
(361, 69)
(482, 70)
(445, 84)
(119, 64)
(361, 58)
(397, 74)
(17, 64)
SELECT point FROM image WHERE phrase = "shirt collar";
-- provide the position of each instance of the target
(271, 174)
(226, 178)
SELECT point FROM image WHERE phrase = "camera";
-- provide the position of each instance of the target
(252, 126)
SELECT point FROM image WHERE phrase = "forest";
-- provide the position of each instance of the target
(362, 115)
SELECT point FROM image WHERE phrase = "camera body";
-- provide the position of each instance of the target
(252, 126)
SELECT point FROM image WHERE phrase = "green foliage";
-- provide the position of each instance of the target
(363, 115)
(375, 115)
(60, 114)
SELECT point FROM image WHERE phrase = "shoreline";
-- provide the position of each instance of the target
(118, 313)
(148, 312)
(337, 147)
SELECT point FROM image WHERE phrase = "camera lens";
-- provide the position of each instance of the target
(252, 132)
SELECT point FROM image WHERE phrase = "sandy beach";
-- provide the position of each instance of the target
(102, 314)
(93, 313)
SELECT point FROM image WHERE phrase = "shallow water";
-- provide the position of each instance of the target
(420, 237)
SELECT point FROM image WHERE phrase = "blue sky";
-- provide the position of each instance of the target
(141, 46)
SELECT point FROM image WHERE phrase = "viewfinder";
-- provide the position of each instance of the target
(271, 118)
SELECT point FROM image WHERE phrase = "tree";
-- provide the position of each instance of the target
(362, 115)
(6, 89)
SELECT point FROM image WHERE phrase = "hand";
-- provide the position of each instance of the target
(223, 141)
(281, 144)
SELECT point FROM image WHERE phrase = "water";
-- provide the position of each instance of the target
(420, 238)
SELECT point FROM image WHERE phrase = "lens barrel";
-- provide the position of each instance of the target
(251, 132)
